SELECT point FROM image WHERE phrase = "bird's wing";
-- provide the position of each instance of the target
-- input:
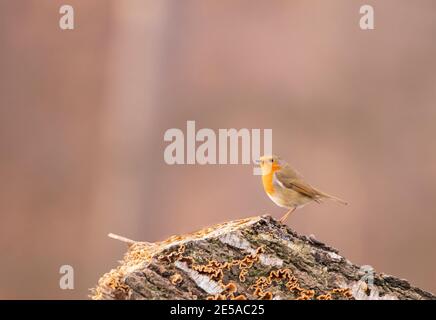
(290, 179)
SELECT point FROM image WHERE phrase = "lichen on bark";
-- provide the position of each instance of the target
(254, 258)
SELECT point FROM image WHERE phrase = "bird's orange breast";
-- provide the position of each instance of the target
(267, 180)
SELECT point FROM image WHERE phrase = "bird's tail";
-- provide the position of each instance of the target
(336, 199)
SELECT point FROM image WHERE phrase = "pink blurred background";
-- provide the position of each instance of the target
(83, 114)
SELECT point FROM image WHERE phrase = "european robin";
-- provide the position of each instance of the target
(286, 187)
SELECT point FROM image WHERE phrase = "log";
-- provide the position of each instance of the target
(254, 258)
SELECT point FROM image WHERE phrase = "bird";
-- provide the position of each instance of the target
(287, 188)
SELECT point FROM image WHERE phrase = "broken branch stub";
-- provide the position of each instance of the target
(254, 258)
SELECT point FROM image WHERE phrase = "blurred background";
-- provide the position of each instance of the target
(83, 114)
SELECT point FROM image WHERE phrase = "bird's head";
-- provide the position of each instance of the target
(270, 163)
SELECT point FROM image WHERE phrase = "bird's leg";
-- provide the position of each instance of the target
(283, 219)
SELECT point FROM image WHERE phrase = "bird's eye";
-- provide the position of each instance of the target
(272, 160)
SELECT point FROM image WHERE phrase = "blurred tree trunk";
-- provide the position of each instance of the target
(123, 184)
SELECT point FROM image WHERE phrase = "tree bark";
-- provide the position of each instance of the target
(254, 258)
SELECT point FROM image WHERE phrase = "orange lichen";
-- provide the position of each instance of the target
(230, 288)
(215, 269)
(344, 292)
(280, 276)
(262, 295)
(341, 292)
(188, 260)
(176, 278)
(173, 256)
(243, 274)
(214, 273)
(113, 281)
(140, 254)
(228, 293)
(247, 262)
